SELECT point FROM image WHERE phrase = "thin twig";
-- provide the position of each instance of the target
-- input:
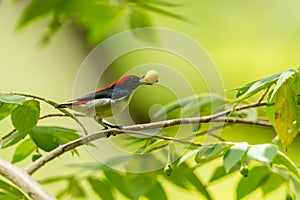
(263, 95)
(54, 104)
(53, 115)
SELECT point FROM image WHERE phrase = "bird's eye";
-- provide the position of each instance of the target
(135, 79)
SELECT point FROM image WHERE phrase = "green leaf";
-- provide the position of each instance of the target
(97, 19)
(283, 78)
(209, 151)
(50, 137)
(101, 188)
(11, 98)
(36, 156)
(234, 154)
(37, 8)
(220, 172)
(263, 153)
(23, 150)
(26, 116)
(140, 184)
(254, 87)
(10, 192)
(282, 159)
(157, 192)
(139, 19)
(10, 140)
(117, 181)
(255, 179)
(272, 182)
(286, 122)
(156, 145)
(184, 177)
(6, 109)
(75, 188)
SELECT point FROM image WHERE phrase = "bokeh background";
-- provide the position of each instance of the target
(247, 40)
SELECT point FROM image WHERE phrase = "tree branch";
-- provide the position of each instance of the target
(23, 180)
(133, 130)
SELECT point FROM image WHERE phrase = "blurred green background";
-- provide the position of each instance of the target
(247, 40)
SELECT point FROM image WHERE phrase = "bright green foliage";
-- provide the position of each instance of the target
(261, 166)
(10, 192)
(101, 187)
(50, 137)
(23, 150)
(95, 17)
(26, 116)
(6, 109)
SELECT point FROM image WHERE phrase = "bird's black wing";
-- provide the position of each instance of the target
(105, 93)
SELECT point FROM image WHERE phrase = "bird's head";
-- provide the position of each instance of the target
(131, 82)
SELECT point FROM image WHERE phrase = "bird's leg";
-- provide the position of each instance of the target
(106, 125)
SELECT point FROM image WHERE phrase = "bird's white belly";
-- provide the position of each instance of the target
(102, 107)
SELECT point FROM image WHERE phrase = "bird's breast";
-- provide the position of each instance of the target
(106, 107)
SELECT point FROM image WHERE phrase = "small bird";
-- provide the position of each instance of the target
(110, 100)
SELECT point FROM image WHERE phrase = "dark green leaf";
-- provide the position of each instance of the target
(10, 140)
(183, 176)
(117, 181)
(50, 137)
(218, 173)
(26, 116)
(263, 153)
(97, 19)
(253, 88)
(209, 151)
(37, 8)
(139, 184)
(255, 179)
(6, 109)
(234, 155)
(11, 98)
(157, 192)
(139, 19)
(272, 182)
(23, 150)
(10, 192)
(36, 156)
(282, 159)
(101, 188)
(75, 188)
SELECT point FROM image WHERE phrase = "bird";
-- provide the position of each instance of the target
(110, 100)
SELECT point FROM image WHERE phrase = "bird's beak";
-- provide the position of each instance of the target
(143, 82)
